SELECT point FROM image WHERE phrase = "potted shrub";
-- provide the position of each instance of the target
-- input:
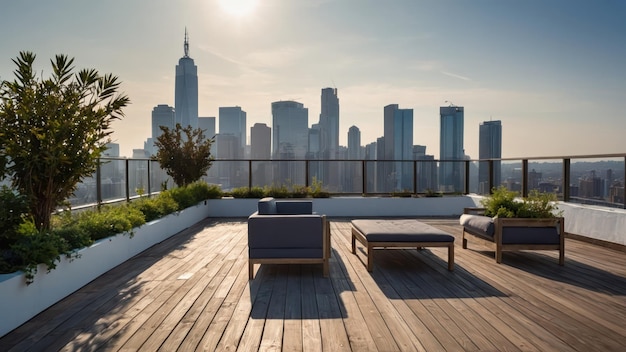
(508, 223)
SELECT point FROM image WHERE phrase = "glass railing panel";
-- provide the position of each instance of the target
(389, 176)
(137, 177)
(86, 193)
(336, 176)
(159, 179)
(451, 176)
(510, 176)
(112, 178)
(229, 174)
(597, 181)
(546, 175)
(426, 176)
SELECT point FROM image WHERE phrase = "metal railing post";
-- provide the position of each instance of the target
(149, 179)
(467, 177)
(566, 179)
(99, 184)
(364, 181)
(414, 176)
(524, 177)
(491, 171)
(126, 174)
(250, 174)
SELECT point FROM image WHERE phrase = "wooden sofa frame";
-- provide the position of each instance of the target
(502, 223)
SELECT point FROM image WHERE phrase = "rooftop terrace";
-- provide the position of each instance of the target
(191, 292)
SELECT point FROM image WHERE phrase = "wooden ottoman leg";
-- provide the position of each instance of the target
(250, 270)
(353, 243)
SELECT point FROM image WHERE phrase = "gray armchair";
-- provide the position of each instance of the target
(287, 232)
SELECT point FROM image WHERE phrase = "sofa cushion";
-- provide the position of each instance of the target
(401, 230)
(267, 206)
(478, 223)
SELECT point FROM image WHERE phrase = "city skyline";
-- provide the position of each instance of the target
(550, 72)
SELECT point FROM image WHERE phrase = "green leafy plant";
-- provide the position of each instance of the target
(53, 131)
(317, 189)
(184, 153)
(277, 191)
(505, 203)
(245, 192)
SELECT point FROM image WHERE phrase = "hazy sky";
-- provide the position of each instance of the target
(554, 72)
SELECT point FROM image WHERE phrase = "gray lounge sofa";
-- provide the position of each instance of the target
(287, 232)
(513, 234)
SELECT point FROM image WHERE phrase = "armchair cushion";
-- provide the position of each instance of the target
(478, 223)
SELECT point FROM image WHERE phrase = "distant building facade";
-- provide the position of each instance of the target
(489, 147)
(207, 124)
(451, 148)
(398, 129)
(232, 120)
(162, 115)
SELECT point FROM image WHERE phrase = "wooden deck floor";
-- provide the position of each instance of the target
(192, 292)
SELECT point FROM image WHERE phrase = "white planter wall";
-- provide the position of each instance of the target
(355, 206)
(20, 302)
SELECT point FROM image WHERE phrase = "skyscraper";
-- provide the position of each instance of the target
(398, 129)
(489, 146)
(232, 120)
(207, 124)
(354, 143)
(451, 148)
(290, 122)
(186, 92)
(162, 115)
(290, 139)
(329, 123)
(260, 141)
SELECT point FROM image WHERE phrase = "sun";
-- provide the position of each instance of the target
(238, 7)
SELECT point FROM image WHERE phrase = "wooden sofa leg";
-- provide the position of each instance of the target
(250, 270)
(451, 257)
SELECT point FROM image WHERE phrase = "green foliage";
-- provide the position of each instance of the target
(402, 194)
(54, 130)
(245, 192)
(503, 203)
(110, 220)
(214, 192)
(299, 191)
(13, 209)
(184, 153)
(34, 248)
(156, 207)
(277, 191)
(30, 246)
(317, 189)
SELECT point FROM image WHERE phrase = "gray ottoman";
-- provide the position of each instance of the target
(399, 233)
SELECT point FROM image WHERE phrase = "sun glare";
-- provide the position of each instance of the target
(238, 7)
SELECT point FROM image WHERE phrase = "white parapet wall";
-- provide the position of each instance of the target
(19, 302)
(606, 224)
(356, 206)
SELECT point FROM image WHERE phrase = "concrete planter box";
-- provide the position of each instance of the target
(20, 302)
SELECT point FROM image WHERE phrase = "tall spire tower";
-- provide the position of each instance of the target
(186, 45)
(186, 90)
